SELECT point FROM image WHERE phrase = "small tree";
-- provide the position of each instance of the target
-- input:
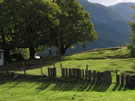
(132, 46)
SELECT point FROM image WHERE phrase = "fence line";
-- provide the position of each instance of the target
(93, 76)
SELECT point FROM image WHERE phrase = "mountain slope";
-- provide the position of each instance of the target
(125, 10)
(112, 28)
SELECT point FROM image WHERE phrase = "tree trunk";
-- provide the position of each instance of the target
(6, 57)
(61, 51)
(50, 52)
(32, 53)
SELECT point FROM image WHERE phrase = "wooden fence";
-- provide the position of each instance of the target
(94, 76)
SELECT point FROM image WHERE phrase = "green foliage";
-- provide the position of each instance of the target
(42, 23)
(24, 52)
(74, 26)
(132, 46)
(132, 50)
(26, 24)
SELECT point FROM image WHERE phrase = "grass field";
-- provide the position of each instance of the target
(61, 90)
(53, 90)
(99, 60)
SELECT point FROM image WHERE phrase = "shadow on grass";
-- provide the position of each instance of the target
(59, 84)
(72, 85)
(119, 87)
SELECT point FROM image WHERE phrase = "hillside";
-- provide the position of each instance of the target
(125, 10)
(112, 28)
(65, 89)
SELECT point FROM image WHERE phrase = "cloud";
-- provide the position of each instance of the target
(110, 2)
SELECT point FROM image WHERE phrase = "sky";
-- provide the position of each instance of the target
(110, 2)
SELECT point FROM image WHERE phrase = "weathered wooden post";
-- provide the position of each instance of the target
(70, 73)
(61, 69)
(110, 77)
(117, 79)
(89, 75)
(98, 77)
(82, 73)
(127, 81)
(107, 77)
(78, 73)
(63, 72)
(54, 72)
(74, 72)
(122, 79)
(102, 77)
(49, 72)
(66, 72)
(86, 72)
(24, 68)
(41, 70)
(94, 76)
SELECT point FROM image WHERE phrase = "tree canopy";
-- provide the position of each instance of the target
(52, 23)
(74, 26)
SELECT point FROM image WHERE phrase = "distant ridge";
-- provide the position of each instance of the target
(125, 10)
(113, 29)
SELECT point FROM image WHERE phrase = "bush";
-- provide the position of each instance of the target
(19, 54)
(132, 50)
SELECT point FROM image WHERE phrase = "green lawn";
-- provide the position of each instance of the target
(53, 90)
(59, 90)
(96, 60)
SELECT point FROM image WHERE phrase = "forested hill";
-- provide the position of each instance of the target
(112, 28)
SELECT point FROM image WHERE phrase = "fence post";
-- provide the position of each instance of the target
(24, 68)
(82, 73)
(73, 72)
(110, 77)
(89, 75)
(98, 77)
(49, 72)
(127, 81)
(66, 72)
(86, 72)
(61, 69)
(70, 73)
(54, 72)
(63, 72)
(94, 76)
(117, 79)
(41, 70)
(122, 79)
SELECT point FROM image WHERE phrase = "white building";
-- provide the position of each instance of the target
(1, 57)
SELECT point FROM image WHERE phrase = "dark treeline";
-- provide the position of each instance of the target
(33, 24)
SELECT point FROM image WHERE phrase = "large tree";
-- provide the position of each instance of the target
(132, 46)
(74, 26)
(26, 24)
(9, 26)
(39, 16)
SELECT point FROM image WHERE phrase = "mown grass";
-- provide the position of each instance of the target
(100, 60)
(58, 90)
(54, 90)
